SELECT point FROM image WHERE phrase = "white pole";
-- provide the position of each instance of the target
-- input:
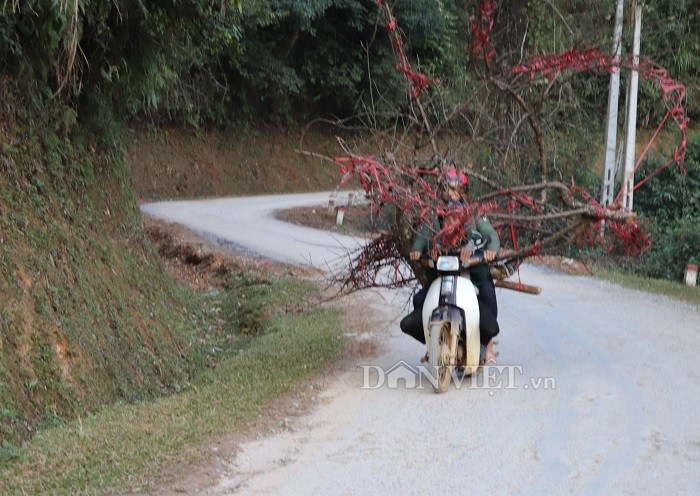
(631, 140)
(607, 193)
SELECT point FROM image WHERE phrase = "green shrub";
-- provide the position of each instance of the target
(670, 203)
(672, 249)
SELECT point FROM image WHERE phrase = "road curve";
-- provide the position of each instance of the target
(596, 391)
(248, 224)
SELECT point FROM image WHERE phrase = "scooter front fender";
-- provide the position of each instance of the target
(466, 300)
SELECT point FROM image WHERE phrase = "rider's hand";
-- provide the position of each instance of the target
(433, 254)
(414, 255)
(465, 254)
(489, 255)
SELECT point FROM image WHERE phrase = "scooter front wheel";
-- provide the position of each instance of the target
(442, 350)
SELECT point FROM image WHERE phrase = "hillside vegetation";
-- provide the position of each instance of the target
(88, 315)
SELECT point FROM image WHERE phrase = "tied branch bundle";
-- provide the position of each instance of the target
(504, 113)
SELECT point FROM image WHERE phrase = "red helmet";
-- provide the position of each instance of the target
(454, 178)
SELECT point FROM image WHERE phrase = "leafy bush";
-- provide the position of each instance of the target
(672, 249)
(671, 196)
(670, 203)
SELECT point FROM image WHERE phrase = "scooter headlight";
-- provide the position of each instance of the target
(448, 264)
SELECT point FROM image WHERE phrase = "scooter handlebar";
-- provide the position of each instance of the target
(477, 258)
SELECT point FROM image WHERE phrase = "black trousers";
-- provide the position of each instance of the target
(412, 324)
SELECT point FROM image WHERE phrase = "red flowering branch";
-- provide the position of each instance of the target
(531, 219)
(417, 81)
(480, 45)
(591, 59)
(416, 194)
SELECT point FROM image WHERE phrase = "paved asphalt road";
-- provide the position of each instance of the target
(596, 391)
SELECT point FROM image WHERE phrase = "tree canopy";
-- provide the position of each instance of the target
(227, 61)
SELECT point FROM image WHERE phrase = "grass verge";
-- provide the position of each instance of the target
(672, 289)
(127, 447)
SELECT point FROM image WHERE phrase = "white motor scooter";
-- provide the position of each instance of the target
(451, 320)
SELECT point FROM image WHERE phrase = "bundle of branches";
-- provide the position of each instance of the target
(526, 225)
(541, 217)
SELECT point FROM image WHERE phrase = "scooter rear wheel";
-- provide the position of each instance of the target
(441, 353)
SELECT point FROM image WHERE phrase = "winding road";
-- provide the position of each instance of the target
(596, 391)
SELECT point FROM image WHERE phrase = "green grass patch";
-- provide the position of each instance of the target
(672, 289)
(126, 448)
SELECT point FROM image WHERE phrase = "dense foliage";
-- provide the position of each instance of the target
(217, 61)
(670, 203)
(223, 61)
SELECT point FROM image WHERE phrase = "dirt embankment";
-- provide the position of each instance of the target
(183, 163)
(202, 264)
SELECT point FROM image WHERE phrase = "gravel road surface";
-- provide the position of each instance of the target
(596, 390)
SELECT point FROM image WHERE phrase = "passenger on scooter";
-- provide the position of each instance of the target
(455, 185)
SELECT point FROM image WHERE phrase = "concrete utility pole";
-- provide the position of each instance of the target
(631, 118)
(607, 193)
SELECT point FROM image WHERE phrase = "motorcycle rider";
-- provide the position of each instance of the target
(455, 184)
